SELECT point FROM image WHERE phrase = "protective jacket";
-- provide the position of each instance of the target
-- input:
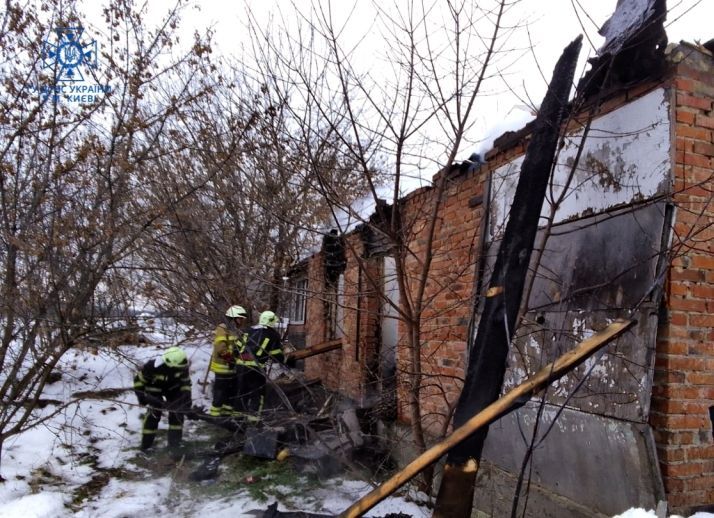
(260, 343)
(225, 345)
(161, 387)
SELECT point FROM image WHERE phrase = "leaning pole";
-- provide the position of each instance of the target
(487, 361)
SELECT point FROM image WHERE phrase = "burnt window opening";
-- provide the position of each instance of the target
(333, 253)
(298, 300)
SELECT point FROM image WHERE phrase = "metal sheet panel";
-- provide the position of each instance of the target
(616, 383)
(626, 158)
(606, 261)
(604, 464)
(592, 271)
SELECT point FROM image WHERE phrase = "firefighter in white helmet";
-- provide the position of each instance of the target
(223, 362)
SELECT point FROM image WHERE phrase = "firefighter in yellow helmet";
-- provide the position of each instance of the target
(225, 346)
(261, 343)
(164, 384)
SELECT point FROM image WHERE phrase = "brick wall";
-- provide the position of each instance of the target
(351, 369)
(683, 389)
(448, 294)
(684, 371)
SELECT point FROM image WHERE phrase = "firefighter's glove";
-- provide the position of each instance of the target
(141, 397)
(154, 401)
(226, 356)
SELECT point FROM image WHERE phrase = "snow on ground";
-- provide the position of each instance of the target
(95, 442)
(83, 461)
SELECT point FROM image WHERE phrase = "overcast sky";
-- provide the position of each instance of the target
(552, 25)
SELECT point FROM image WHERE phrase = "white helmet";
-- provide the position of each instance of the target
(236, 312)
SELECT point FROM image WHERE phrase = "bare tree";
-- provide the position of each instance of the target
(409, 115)
(72, 191)
(254, 196)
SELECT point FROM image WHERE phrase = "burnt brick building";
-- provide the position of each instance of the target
(632, 236)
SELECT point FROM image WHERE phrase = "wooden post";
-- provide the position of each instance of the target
(324, 347)
(531, 386)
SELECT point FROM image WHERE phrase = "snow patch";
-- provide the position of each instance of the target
(48, 504)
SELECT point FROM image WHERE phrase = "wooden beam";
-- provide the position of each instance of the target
(502, 406)
(324, 347)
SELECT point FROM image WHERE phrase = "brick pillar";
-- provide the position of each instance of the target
(683, 391)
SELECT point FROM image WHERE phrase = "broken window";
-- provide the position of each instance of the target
(298, 300)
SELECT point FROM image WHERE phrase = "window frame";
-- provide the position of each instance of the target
(298, 300)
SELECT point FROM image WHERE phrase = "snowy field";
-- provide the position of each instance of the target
(84, 461)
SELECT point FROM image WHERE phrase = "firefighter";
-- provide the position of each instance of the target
(260, 344)
(164, 384)
(223, 365)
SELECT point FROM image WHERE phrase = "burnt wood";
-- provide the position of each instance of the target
(487, 361)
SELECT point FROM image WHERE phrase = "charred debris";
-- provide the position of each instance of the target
(314, 431)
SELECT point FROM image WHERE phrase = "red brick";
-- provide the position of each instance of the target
(677, 501)
(701, 482)
(673, 347)
(685, 117)
(703, 348)
(701, 320)
(704, 148)
(702, 291)
(694, 101)
(671, 454)
(682, 470)
(687, 304)
(668, 377)
(678, 274)
(682, 363)
(693, 132)
(700, 453)
(695, 160)
(674, 406)
(681, 392)
(704, 121)
(681, 289)
(663, 436)
(677, 318)
(684, 84)
(699, 174)
(705, 262)
(685, 144)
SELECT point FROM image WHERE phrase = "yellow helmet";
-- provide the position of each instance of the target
(175, 357)
(268, 318)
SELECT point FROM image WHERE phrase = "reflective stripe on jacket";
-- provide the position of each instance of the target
(158, 379)
(224, 349)
(260, 344)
